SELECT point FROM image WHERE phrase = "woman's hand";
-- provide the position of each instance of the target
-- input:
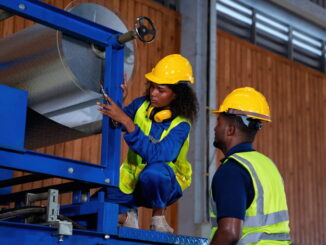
(113, 111)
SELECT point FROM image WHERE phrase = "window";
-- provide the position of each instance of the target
(270, 33)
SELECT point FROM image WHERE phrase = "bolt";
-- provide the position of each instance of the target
(70, 170)
(106, 236)
(107, 180)
(60, 238)
(84, 198)
(22, 6)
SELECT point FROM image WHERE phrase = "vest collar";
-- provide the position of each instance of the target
(243, 147)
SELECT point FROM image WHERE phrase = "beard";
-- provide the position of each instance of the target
(217, 144)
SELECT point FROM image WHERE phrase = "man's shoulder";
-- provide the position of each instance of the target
(232, 168)
(230, 175)
(251, 155)
(230, 164)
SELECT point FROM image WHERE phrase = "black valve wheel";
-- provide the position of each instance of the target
(145, 29)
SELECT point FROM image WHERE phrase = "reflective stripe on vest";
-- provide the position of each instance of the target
(213, 221)
(260, 236)
(132, 167)
(261, 219)
(266, 219)
(212, 207)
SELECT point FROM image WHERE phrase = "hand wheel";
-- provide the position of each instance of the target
(145, 29)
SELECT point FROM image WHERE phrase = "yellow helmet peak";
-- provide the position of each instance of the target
(171, 69)
(246, 101)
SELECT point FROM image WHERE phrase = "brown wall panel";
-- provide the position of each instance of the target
(167, 24)
(296, 138)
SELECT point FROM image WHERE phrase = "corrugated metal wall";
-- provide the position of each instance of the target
(168, 24)
(296, 138)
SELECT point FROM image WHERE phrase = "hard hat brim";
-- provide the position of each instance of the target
(246, 113)
(149, 76)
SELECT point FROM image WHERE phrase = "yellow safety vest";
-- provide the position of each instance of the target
(133, 165)
(266, 219)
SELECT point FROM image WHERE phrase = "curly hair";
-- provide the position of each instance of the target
(185, 104)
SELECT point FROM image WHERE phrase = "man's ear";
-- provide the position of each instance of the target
(230, 130)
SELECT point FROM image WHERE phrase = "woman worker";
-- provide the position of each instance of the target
(157, 128)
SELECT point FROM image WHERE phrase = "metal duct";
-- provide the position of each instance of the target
(61, 73)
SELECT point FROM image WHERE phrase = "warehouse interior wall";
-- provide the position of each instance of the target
(295, 139)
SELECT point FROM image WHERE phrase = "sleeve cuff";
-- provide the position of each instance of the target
(131, 137)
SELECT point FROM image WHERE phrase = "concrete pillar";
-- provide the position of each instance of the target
(199, 47)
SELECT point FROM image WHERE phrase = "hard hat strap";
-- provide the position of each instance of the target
(251, 123)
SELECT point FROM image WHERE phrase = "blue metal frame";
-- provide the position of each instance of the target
(61, 20)
(108, 172)
(110, 154)
(36, 234)
(105, 174)
(70, 169)
(13, 124)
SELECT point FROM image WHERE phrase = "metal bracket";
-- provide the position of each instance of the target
(64, 228)
(53, 207)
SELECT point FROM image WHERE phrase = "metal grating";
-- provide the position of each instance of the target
(265, 31)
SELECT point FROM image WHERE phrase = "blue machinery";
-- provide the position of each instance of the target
(13, 156)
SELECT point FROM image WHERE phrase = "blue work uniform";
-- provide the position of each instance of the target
(157, 185)
(232, 187)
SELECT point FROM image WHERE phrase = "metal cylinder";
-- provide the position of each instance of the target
(61, 73)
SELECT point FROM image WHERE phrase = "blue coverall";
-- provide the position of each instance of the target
(157, 185)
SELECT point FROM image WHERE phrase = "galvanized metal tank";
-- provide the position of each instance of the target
(61, 73)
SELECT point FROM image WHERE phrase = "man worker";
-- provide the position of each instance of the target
(248, 198)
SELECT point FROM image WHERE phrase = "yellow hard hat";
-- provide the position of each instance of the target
(246, 101)
(171, 70)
